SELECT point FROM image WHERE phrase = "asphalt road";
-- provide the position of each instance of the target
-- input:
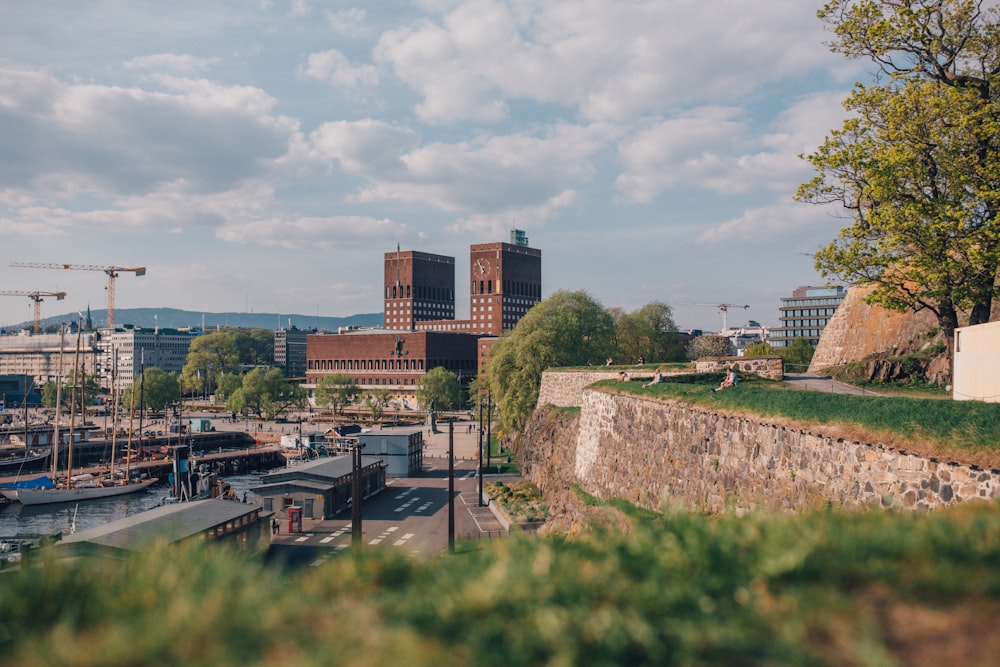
(410, 514)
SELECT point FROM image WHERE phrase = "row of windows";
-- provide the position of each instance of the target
(796, 333)
(518, 288)
(806, 323)
(787, 303)
(365, 364)
(807, 312)
(420, 292)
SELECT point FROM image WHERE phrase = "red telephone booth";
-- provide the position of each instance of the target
(294, 519)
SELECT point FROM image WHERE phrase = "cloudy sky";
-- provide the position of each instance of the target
(263, 156)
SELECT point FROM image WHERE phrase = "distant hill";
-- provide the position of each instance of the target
(175, 318)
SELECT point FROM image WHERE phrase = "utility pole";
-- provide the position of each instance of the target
(480, 435)
(451, 487)
(489, 420)
(356, 499)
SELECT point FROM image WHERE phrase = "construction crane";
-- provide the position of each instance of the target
(37, 297)
(723, 308)
(111, 271)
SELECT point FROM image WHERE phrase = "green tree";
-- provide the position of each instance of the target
(566, 329)
(916, 165)
(156, 390)
(709, 345)
(254, 347)
(228, 383)
(336, 391)
(49, 394)
(649, 333)
(265, 393)
(759, 349)
(439, 387)
(90, 387)
(208, 357)
(798, 354)
(376, 402)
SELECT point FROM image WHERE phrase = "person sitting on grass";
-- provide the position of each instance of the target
(657, 379)
(729, 381)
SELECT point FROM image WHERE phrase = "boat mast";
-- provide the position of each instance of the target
(131, 414)
(72, 402)
(59, 381)
(114, 411)
(27, 390)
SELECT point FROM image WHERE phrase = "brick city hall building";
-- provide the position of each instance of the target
(420, 331)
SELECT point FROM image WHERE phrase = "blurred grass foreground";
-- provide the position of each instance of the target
(824, 588)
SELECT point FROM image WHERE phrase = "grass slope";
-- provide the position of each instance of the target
(963, 430)
(677, 589)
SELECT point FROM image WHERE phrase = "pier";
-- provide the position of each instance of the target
(225, 453)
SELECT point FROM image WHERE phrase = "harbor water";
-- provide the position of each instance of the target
(66, 518)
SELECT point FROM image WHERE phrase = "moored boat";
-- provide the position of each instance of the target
(80, 490)
(29, 461)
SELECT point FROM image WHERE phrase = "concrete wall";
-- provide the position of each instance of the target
(650, 451)
(976, 368)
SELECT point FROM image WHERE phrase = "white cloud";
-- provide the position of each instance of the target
(487, 175)
(348, 22)
(333, 67)
(184, 64)
(313, 232)
(605, 59)
(717, 149)
(785, 220)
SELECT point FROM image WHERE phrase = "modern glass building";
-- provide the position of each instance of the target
(806, 313)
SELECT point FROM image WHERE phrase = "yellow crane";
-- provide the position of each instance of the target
(111, 271)
(723, 308)
(37, 297)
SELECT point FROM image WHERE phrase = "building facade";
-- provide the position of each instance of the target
(805, 314)
(391, 360)
(290, 351)
(419, 287)
(420, 330)
(126, 352)
(46, 357)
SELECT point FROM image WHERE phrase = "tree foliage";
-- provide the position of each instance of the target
(439, 387)
(208, 357)
(336, 391)
(709, 345)
(648, 333)
(759, 349)
(916, 165)
(91, 390)
(266, 393)
(156, 390)
(566, 329)
(798, 354)
(377, 401)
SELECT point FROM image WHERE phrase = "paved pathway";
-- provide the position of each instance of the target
(825, 383)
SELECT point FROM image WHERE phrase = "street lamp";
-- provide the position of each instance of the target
(356, 496)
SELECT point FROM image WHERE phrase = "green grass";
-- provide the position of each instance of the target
(962, 426)
(677, 589)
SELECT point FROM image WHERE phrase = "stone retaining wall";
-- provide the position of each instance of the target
(565, 388)
(650, 451)
(772, 368)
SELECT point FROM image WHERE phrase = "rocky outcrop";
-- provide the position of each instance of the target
(858, 330)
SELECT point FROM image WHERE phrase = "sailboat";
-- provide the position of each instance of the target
(84, 486)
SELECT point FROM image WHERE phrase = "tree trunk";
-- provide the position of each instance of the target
(947, 318)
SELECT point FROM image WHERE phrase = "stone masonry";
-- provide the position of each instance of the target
(651, 451)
